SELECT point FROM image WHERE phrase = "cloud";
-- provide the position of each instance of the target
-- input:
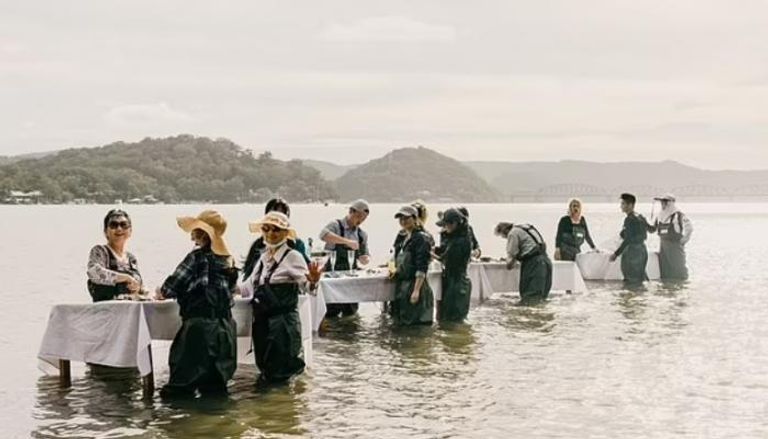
(155, 115)
(388, 30)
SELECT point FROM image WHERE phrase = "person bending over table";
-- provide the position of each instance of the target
(203, 354)
(526, 245)
(112, 270)
(274, 286)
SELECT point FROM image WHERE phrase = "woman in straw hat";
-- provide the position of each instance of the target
(414, 301)
(278, 278)
(203, 355)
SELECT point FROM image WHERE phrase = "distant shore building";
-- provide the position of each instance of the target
(21, 197)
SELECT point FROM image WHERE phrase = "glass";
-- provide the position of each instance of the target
(122, 224)
(333, 260)
(351, 259)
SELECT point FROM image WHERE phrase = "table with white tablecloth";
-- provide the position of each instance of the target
(119, 333)
(597, 266)
(487, 278)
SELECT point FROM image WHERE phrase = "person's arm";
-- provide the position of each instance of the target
(421, 255)
(178, 282)
(513, 248)
(588, 236)
(98, 271)
(330, 235)
(561, 226)
(687, 228)
(364, 254)
(624, 241)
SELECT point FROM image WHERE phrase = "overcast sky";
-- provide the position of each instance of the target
(346, 81)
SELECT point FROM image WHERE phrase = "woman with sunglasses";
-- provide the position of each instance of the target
(414, 301)
(280, 275)
(112, 270)
(258, 246)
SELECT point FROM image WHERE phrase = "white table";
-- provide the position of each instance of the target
(487, 278)
(119, 333)
(597, 266)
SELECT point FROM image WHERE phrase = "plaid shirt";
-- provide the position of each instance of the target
(201, 270)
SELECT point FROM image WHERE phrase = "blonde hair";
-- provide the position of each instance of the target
(574, 200)
(421, 208)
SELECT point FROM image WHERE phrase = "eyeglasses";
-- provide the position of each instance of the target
(270, 229)
(125, 225)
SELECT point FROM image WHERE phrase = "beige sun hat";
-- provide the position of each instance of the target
(213, 224)
(275, 219)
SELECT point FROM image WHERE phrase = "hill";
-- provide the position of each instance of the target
(329, 171)
(173, 169)
(601, 179)
(410, 173)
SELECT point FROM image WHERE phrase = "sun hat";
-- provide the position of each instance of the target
(666, 197)
(274, 219)
(213, 224)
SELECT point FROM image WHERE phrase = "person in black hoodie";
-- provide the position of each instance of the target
(454, 254)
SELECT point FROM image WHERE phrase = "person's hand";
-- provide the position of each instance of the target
(613, 257)
(557, 254)
(352, 244)
(134, 287)
(511, 264)
(415, 297)
(159, 294)
(314, 275)
(364, 259)
(475, 254)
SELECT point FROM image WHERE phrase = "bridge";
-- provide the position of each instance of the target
(563, 192)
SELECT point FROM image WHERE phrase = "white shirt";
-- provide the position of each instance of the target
(293, 269)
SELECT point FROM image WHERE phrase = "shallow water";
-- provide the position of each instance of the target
(670, 361)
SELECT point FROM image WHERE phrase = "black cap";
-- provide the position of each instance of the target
(629, 198)
(452, 216)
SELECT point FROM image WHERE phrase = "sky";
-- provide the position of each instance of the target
(347, 81)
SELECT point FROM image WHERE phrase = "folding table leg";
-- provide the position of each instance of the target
(65, 374)
(148, 382)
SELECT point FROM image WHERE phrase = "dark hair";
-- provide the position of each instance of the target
(463, 210)
(279, 205)
(629, 198)
(115, 213)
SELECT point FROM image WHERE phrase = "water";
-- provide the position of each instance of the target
(673, 361)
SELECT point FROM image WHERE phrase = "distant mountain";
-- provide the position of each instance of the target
(411, 173)
(180, 168)
(606, 179)
(329, 171)
(5, 160)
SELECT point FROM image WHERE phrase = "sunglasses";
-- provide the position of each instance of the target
(270, 229)
(125, 225)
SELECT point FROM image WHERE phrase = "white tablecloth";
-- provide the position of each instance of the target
(119, 333)
(597, 266)
(487, 278)
(565, 277)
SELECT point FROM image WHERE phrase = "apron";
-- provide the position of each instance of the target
(342, 264)
(572, 242)
(535, 270)
(672, 254)
(457, 288)
(276, 329)
(403, 311)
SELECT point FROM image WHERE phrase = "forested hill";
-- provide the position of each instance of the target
(173, 169)
(410, 173)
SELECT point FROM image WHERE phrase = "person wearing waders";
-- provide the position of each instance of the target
(341, 237)
(454, 253)
(413, 302)
(572, 232)
(203, 355)
(674, 229)
(634, 255)
(526, 245)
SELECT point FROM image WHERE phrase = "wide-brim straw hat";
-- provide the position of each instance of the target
(275, 219)
(213, 224)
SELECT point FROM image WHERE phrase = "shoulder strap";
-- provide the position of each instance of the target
(341, 228)
(527, 229)
(111, 261)
(274, 267)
